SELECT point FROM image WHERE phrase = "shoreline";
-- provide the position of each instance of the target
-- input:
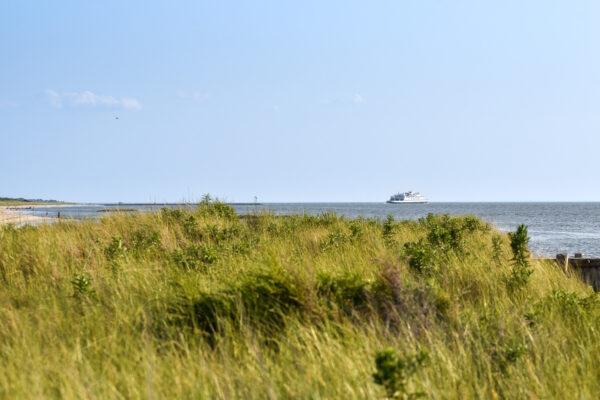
(16, 214)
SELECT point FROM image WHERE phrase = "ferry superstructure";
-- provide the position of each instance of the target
(408, 197)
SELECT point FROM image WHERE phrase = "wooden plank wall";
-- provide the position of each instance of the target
(588, 269)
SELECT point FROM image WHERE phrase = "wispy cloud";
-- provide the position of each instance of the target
(54, 98)
(357, 99)
(90, 99)
(354, 99)
(7, 104)
(192, 95)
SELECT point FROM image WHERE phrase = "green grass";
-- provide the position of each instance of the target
(201, 303)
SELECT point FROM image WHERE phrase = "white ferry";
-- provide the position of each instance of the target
(407, 197)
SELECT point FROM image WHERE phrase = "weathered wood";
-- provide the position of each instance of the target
(563, 261)
(588, 269)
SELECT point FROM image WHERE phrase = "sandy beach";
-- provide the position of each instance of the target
(16, 215)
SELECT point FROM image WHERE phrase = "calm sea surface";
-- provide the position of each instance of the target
(553, 227)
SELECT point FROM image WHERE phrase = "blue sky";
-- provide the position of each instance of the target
(300, 101)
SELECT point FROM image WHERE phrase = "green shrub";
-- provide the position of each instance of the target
(240, 247)
(421, 257)
(450, 233)
(82, 286)
(208, 207)
(356, 230)
(497, 248)
(222, 235)
(206, 314)
(445, 236)
(395, 372)
(570, 306)
(347, 293)
(143, 240)
(181, 258)
(172, 216)
(518, 244)
(208, 254)
(334, 240)
(263, 300)
(271, 297)
(521, 271)
(389, 226)
(191, 228)
(509, 353)
(116, 249)
(193, 256)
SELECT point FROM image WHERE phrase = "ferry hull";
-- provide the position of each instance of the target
(407, 201)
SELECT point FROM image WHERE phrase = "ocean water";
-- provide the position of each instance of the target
(553, 227)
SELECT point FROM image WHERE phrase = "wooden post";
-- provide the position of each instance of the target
(563, 260)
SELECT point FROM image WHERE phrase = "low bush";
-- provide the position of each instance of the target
(116, 249)
(193, 256)
(395, 372)
(521, 270)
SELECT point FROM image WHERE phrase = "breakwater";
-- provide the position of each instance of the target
(587, 269)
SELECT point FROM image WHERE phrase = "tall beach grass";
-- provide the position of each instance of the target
(203, 303)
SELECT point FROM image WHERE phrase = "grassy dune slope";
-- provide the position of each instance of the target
(205, 304)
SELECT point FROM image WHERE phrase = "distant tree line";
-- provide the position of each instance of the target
(28, 200)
